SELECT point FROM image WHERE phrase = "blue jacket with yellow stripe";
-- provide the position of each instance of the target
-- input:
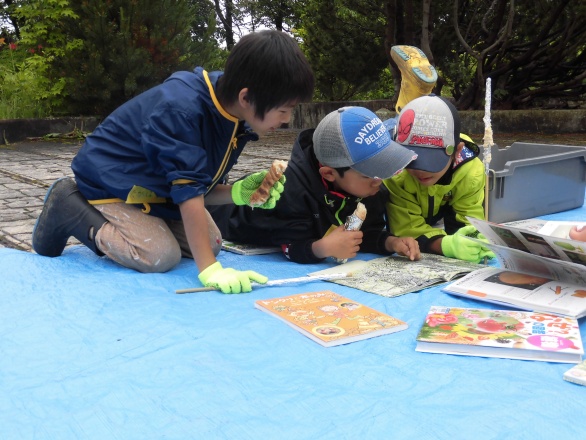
(174, 140)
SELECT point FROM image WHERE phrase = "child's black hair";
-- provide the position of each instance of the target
(273, 68)
(342, 170)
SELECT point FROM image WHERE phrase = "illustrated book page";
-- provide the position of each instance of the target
(529, 292)
(577, 374)
(248, 249)
(544, 246)
(530, 224)
(560, 229)
(397, 275)
(501, 334)
(330, 319)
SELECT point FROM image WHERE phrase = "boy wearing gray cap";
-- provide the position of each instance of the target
(332, 168)
(445, 182)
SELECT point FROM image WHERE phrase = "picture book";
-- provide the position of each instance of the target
(397, 275)
(525, 251)
(501, 334)
(515, 289)
(577, 374)
(536, 272)
(531, 224)
(560, 229)
(330, 319)
(248, 249)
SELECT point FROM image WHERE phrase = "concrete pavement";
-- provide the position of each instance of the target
(27, 170)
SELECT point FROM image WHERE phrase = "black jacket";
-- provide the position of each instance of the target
(304, 213)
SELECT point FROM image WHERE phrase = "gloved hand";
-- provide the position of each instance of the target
(244, 188)
(229, 280)
(471, 231)
(460, 247)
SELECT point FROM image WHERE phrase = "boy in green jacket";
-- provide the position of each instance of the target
(445, 182)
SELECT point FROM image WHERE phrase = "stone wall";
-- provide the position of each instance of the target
(308, 115)
(16, 130)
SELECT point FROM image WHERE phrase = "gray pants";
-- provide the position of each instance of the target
(146, 243)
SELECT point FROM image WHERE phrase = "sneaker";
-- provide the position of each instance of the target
(418, 76)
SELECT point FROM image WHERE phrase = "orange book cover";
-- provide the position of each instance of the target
(330, 319)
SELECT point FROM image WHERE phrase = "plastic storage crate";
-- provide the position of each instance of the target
(529, 180)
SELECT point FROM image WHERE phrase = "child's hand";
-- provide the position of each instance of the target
(459, 246)
(578, 233)
(407, 246)
(243, 189)
(229, 280)
(339, 243)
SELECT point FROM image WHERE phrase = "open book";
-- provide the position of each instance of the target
(537, 272)
(396, 275)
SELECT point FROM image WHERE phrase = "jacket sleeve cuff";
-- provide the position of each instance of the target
(301, 252)
(374, 243)
(425, 242)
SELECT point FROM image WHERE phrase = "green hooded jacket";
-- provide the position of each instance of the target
(414, 209)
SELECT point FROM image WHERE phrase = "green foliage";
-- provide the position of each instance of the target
(204, 49)
(24, 90)
(344, 46)
(383, 88)
(129, 46)
(27, 90)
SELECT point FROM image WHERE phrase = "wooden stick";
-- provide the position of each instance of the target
(305, 279)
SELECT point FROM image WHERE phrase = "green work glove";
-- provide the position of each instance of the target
(229, 280)
(244, 188)
(471, 231)
(460, 247)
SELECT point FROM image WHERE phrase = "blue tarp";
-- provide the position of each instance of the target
(91, 350)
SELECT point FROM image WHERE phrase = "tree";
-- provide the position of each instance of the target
(8, 20)
(280, 15)
(129, 46)
(344, 47)
(533, 50)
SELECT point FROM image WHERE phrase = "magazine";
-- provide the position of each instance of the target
(537, 272)
(397, 275)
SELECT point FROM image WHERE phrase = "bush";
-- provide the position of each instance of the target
(24, 90)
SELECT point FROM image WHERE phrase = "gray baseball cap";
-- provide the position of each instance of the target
(355, 137)
(429, 126)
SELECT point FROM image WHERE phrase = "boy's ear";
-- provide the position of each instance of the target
(328, 173)
(243, 98)
(459, 147)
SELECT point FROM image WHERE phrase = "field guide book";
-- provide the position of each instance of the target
(501, 334)
(537, 272)
(248, 249)
(577, 374)
(330, 319)
(396, 275)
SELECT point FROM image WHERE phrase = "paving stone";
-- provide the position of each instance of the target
(28, 168)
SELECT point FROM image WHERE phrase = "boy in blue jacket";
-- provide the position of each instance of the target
(332, 168)
(167, 149)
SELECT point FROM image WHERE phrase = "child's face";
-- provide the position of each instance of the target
(356, 184)
(273, 119)
(426, 178)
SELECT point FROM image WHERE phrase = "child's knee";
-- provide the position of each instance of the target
(160, 260)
